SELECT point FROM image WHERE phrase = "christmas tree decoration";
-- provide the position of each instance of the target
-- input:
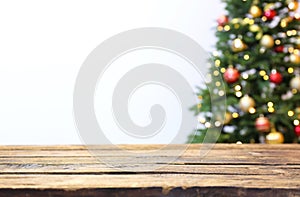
(297, 42)
(256, 29)
(295, 58)
(258, 56)
(228, 118)
(223, 20)
(267, 41)
(231, 75)
(295, 83)
(255, 11)
(270, 14)
(293, 5)
(246, 103)
(279, 49)
(262, 124)
(275, 77)
(238, 45)
(297, 130)
(274, 137)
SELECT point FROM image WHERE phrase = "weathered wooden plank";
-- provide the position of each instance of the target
(158, 146)
(72, 182)
(169, 169)
(226, 170)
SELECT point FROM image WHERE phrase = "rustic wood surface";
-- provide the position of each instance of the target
(149, 170)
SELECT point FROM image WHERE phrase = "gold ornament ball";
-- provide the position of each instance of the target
(269, 6)
(255, 11)
(238, 45)
(228, 118)
(267, 41)
(295, 83)
(295, 58)
(293, 6)
(297, 42)
(254, 28)
(274, 138)
(246, 103)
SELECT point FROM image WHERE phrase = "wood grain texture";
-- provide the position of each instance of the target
(150, 170)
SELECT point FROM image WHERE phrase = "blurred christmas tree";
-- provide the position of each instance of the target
(258, 56)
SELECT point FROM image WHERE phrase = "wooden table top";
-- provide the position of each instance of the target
(150, 170)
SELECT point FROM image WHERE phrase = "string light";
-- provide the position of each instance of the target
(291, 113)
(207, 125)
(296, 122)
(237, 88)
(239, 94)
(270, 104)
(266, 77)
(262, 73)
(216, 73)
(291, 70)
(221, 93)
(271, 110)
(227, 28)
(235, 115)
(246, 57)
(217, 63)
(252, 110)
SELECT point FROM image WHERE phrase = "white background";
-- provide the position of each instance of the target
(44, 43)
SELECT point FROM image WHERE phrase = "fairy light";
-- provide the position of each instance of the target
(227, 28)
(246, 57)
(221, 93)
(235, 115)
(218, 83)
(262, 73)
(223, 70)
(217, 63)
(271, 110)
(202, 120)
(252, 110)
(291, 49)
(270, 104)
(216, 73)
(207, 125)
(290, 70)
(239, 94)
(218, 123)
(266, 77)
(291, 113)
(245, 76)
(296, 122)
(237, 88)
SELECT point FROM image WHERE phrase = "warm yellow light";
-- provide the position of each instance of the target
(291, 113)
(252, 110)
(291, 70)
(235, 115)
(262, 73)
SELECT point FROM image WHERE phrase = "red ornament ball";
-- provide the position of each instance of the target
(275, 77)
(223, 20)
(262, 124)
(279, 49)
(231, 75)
(270, 14)
(297, 131)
